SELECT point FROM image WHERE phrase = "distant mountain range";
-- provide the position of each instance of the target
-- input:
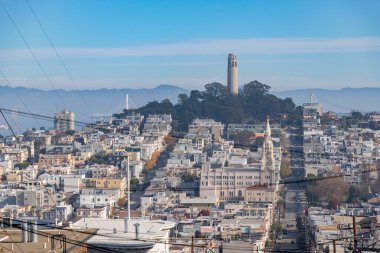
(342, 100)
(87, 103)
(84, 103)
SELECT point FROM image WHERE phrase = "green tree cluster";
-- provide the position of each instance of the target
(134, 182)
(354, 118)
(100, 158)
(251, 105)
(22, 166)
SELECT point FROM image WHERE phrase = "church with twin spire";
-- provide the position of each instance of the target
(229, 183)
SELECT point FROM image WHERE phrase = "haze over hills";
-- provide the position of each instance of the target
(86, 103)
(342, 100)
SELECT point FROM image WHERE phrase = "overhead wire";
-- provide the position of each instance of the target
(44, 117)
(72, 79)
(10, 127)
(70, 241)
(78, 242)
(57, 53)
(13, 242)
(293, 181)
(16, 92)
(32, 53)
(15, 125)
(211, 187)
(340, 239)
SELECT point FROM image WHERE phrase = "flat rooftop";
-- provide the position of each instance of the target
(113, 229)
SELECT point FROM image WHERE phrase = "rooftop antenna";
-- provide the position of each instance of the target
(126, 102)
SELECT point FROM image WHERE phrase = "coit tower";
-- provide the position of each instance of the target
(232, 74)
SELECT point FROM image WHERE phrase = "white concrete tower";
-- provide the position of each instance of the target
(232, 74)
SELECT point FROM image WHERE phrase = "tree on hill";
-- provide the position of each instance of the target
(334, 191)
(246, 138)
(251, 105)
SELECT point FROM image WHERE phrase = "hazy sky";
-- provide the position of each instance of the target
(284, 43)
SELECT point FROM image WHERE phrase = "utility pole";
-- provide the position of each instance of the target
(192, 244)
(355, 235)
(334, 246)
(221, 247)
(129, 190)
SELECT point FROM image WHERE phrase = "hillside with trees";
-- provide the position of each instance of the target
(252, 105)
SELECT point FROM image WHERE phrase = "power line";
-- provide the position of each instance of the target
(10, 237)
(290, 251)
(10, 127)
(16, 92)
(77, 242)
(44, 117)
(32, 53)
(56, 52)
(340, 239)
(70, 241)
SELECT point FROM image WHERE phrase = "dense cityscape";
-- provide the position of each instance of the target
(261, 135)
(132, 183)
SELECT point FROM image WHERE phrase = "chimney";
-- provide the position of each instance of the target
(24, 228)
(34, 231)
(137, 225)
(125, 225)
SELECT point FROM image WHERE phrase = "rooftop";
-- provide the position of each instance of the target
(114, 229)
(12, 238)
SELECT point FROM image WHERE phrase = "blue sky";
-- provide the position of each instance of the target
(286, 44)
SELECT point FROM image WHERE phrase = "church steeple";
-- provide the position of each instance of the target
(268, 162)
(268, 132)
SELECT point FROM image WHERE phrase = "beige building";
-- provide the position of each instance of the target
(80, 158)
(260, 194)
(50, 160)
(107, 183)
(14, 176)
(15, 155)
(200, 203)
